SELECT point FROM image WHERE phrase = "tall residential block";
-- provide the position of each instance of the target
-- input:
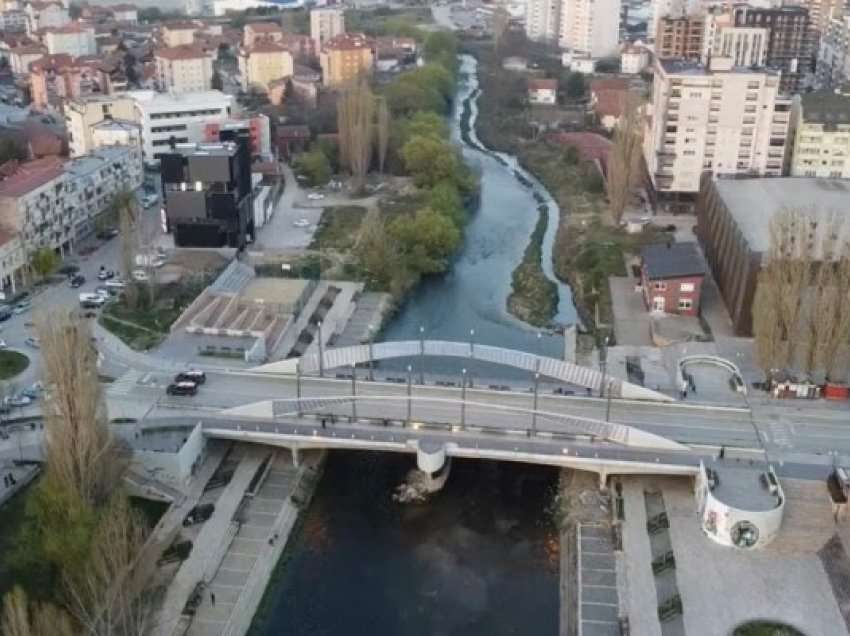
(590, 27)
(722, 120)
(183, 69)
(346, 58)
(833, 63)
(326, 24)
(264, 62)
(744, 45)
(822, 136)
(543, 20)
(680, 38)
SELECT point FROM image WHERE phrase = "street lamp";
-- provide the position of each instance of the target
(534, 406)
(608, 403)
(409, 393)
(603, 364)
(421, 355)
(463, 397)
(321, 352)
(472, 343)
(298, 384)
(371, 357)
(353, 392)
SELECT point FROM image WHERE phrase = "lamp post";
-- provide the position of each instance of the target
(409, 393)
(421, 355)
(472, 343)
(608, 403)
(534, 405)
(463, 397)
(321, 352)
(298, 385)
(353, 392)
(371, 357)
(603, 364)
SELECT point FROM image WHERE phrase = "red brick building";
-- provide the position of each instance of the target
(671, 277)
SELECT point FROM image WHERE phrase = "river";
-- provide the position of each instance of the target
(480, 558)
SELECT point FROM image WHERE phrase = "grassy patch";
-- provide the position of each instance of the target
(12, 516)
(766, 629)
(392, 206)
(12, 363)
(339, 227)
(533, 297)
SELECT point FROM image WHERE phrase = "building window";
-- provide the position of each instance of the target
(685, 304)
(660, 285)
(687, 287)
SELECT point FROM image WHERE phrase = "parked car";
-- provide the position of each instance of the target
(77, 280)
(21, 307)
(140, 275)
(105, 274)
(301, 223)
(199, 514)
(315, 196)
(107, 234)
(149, 200)
(103, 290)
(33, 392)
(182, 388)
(117, 284)
(192, 375)
(33, 342)
(5, 314)
(18, 400)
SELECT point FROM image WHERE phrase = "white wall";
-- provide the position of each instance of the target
(174, 468)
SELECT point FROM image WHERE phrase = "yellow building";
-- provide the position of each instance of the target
(822, 138)
(264, 63)
(82, 114)
(345, 58)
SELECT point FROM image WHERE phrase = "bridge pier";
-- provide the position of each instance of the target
(296, 456)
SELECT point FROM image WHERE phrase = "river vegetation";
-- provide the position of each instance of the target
(533, 297)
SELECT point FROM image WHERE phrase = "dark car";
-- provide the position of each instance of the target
(199, 514)
(78, 281)
(182, 388)
(192, 375)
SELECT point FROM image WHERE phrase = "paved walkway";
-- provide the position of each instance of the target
(210, 545)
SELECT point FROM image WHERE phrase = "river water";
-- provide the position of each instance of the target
(480, 558)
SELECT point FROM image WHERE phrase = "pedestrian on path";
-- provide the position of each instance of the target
(212, 598)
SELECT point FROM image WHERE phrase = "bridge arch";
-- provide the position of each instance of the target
(548, 367)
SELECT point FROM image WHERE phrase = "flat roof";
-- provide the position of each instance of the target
(672, 260)
(198, 99)
(284, 292)
(741, 487)
(826, 107)
(754, 202)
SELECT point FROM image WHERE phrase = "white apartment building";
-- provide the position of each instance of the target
(84, 113)
(590, 27)
(833, 64)
(822, 137)
(13, 21)
(543, 20)
(180, 116)
(183, 69)
(75, 39)
(326, 24)
(745, 46)
(723, 120)
(50, 204)
(45, 14)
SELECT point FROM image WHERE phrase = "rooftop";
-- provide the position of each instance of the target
(31, 175)
(826, 107)
(72, 27)
(116, 124)
(198, 99)
(218, 149)
(266, 46)
(672, 260)
(264, 27)
(674, 66)
(94, 161)
(348, 41)
(182, 52)
(742, 488)
(754, 202)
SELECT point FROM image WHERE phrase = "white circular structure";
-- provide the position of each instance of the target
(739, 507)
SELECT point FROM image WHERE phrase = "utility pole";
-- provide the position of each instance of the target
(371, 357)
(321, 352)
(421, 355)
(353, 392)
(463, 398)
(409, 393)
(603, 364)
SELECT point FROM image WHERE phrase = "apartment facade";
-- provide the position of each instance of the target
(346, 58)
(590, 27)
(790, 47)
(56, 78)
(263, 63)
(75, 39)
(179, 118)
(258, 31)
(744, 45)
(822, 136)
(543, 20)
(680, 37)
(82, 114)
(41, 15)
(326, 24)
(184, 69)
(719, 120)
(833, 64)
(179, 33)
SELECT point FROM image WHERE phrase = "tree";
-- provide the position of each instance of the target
(575, 86)
(427, 124)
(430, 160)
(315, 166)
(445, 199)
(624, 158)
(382, 132)
(44, 262)
(441, 47)
(22, 618)
(354, 121)
(216, 82)
(426, 241)
(126, 207)
(377, 254)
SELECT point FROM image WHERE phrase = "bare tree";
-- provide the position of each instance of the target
(624, 157)
(22, 618)
(354, 120)
(80, 452)
(382, 132)
(836, 337)
(769, 340)
(126, 206)
(103, 596)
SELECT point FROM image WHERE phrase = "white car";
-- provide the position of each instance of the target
(3, 344)
(21, 308)
(315, 196)
(116, 284)
(301, 223)
(140, 275)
